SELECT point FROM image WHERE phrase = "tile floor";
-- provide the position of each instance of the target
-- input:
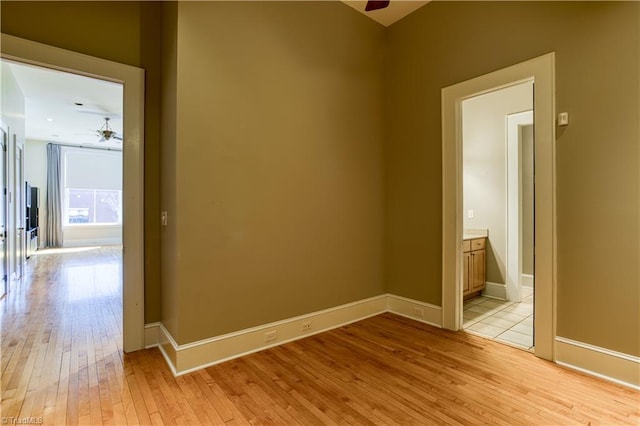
(501, 320)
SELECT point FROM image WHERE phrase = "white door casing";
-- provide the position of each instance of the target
(541, 70)
(132, 78)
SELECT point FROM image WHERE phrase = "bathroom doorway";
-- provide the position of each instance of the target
(540, 70)
(497, 211)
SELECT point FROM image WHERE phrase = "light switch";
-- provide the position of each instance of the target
(163, 218)
(469, 214)
(563, 119)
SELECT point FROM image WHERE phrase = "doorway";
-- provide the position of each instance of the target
(4, 257)
(497, 161)
(540, 70)
(28, 52)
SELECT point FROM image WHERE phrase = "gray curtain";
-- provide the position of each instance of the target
(54, 201)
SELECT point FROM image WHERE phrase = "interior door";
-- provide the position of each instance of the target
(4, 140)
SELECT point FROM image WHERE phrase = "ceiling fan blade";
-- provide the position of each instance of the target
(118, 138)
(376, 4)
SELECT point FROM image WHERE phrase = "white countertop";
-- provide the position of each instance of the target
(470, 234)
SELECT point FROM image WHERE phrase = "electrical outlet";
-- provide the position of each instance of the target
(419, 312)
(270, 335)
(306, 326)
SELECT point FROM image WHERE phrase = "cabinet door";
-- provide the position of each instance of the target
(466, 272)
(477, 270)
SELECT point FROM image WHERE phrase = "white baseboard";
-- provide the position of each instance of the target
(495, 290)
(610, 365)
(194, 356)
(414, 309)
(526, 280)
(92, 242)
(151, 335)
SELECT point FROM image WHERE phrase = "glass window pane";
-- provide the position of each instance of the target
(107, 206)
(80, 202)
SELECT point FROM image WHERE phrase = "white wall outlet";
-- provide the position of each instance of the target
(563, 119)
(306, 326)
(469, 214)
(419, 312)
(163, 218)
(270, 336)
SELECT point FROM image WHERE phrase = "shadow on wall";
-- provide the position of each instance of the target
(495, 266)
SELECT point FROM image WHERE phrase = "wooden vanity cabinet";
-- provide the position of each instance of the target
(473, 266)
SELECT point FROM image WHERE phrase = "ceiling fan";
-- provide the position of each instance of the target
(107, 133)
(376, 4)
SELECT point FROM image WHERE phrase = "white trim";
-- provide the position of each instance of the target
(495, 290)
(514, 122)
(165, 339)
(542, 71)
(204, 353)
(93, 242)
(151, 335)
(601, 362)
(431, 314)
(526, 280)
(132, 78)
(207, 352)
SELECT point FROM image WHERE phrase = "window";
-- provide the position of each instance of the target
(92, 187)
(95, 206)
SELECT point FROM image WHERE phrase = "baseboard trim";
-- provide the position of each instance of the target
(193, 356)
(414, 309)
(92, 242)
(495, 290)
(526, 280)
(604, 363)
(151, 335)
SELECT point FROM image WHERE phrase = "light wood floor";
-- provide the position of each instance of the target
(62, 360)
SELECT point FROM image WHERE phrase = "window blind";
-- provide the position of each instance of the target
(92, 169)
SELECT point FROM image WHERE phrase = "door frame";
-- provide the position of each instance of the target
(132, 79)
(542, 71)
(4, 187)
(514, 202)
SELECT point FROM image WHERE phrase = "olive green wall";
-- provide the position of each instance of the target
(597, 81)
(125, 32)
(279, 162)
(278, 115)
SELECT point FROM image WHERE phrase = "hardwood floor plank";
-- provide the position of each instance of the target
(62, 359)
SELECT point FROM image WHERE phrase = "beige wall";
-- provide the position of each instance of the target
(484, 163)
(131, 37)
(279, 162)
(170, 293)
(287, 143)
(597, 79)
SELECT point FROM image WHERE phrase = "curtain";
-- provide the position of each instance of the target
(54, 202)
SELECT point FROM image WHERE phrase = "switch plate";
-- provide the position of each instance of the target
(469, 214)
(163, 218)
(563, 119)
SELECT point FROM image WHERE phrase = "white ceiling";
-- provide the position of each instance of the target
(396, 10)
(51, 113)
